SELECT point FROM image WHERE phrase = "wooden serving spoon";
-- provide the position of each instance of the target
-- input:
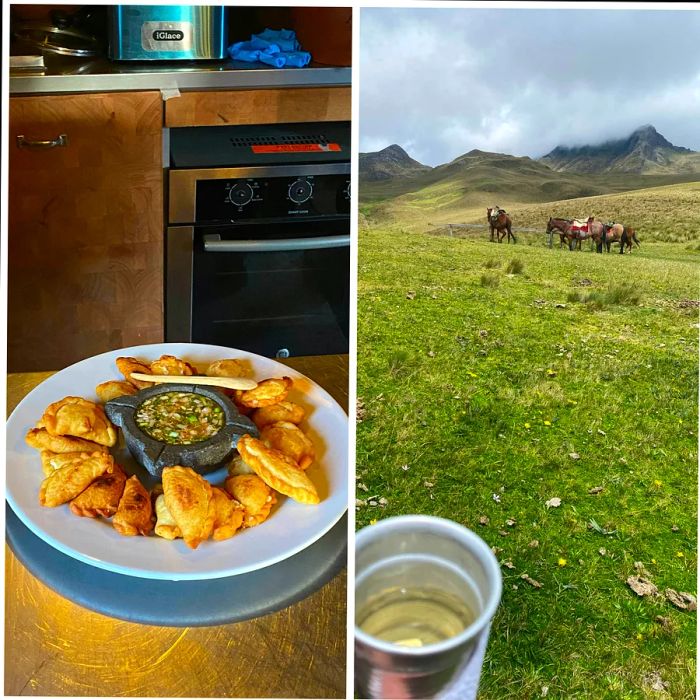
(222, 382)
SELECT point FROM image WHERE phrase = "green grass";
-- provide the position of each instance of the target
(473, 388)
(667, 213)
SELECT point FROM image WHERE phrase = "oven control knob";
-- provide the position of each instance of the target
(300, 191)
(240, 194)
(346, 191)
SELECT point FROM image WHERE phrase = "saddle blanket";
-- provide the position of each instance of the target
(579, 226)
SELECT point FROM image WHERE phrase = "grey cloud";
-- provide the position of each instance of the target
(443, 81)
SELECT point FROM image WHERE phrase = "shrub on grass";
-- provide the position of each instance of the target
(626, 294)
(615, 295)
(489, 281)
(400, 363)
(515, 267)
(491, 263)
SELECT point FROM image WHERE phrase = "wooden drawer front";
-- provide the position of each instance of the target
(85, 228)
(273, 106)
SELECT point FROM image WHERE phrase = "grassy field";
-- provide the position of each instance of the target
(492, 379)
(668, 212)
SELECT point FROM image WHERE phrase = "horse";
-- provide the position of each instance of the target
(596, 232)
(563, 226)
(501, 223)
(615, 233)
(580, 231)
(628, 236)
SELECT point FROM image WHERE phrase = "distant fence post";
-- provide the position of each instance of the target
(551, 235)
(450, 225)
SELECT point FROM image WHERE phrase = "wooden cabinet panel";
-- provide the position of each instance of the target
(85, 248)
(273, 106)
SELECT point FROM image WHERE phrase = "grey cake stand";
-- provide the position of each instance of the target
(181, 603)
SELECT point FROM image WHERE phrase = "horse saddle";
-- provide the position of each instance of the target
(495, 213)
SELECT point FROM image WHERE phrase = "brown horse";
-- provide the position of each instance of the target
(625, 235)
(628, 236)
(563, 227)
(581, 231)
(574, 231)
(570, 232)
(501, 223)
(596, 231)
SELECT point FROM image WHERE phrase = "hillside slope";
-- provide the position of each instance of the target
(668, 213)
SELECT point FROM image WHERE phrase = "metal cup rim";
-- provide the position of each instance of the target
(483, 553)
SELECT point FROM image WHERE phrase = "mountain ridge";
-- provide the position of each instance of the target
(645, 150)
(388, 163)
(482, 175)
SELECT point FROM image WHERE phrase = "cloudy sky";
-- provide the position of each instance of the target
(440, 82)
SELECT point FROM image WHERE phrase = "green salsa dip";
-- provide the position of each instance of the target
(179, 417)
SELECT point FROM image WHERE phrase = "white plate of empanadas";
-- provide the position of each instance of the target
(280, 494)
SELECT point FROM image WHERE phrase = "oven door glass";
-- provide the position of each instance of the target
(276, 290)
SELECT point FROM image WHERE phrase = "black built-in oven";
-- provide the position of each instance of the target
(258, 238)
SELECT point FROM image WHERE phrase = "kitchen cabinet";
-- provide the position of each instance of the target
(269, 106)
(85, 244)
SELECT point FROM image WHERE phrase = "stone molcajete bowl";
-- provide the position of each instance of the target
(154, 455)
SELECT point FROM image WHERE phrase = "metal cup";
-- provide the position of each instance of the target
(420, 550)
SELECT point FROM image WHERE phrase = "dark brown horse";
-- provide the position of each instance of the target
(629, 235)
(563, 228)
(500, 223)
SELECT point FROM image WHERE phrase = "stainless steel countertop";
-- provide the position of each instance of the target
(66, 74)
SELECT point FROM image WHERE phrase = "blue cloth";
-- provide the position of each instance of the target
(296, 59)
(286, 39)
(274, 47)
(242, 51)
(275, 60)
(264, 46)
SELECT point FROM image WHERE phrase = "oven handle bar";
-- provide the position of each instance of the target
(214, 244)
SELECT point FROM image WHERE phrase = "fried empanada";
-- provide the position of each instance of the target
(187, 496)
(102, 496)
(127, 365)
(282, 411)
(256, 497)
(238, 466)
(134, 514)
(51, 461)
(165, 525)
(41, 439)
(266, 393)
(230, 368)
(113, 390)
(80, 418)
(290, 440)
(277, 470)
(174, 366)
(71, 479)
(228, 514)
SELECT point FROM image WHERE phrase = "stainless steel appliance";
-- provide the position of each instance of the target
(258, 238)
(167, 32)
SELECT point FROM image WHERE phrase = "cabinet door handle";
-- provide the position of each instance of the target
(24, 142)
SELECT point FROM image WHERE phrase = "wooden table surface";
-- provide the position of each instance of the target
(54, 647)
